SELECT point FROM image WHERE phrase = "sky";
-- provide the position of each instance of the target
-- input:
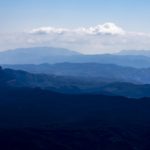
(87, 26)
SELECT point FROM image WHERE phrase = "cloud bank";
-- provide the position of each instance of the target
(105, 38)
(105, 29)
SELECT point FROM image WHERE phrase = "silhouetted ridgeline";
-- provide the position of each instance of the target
(81, 105)
(39, 55)
(75, 84)
(103, 72)
(38, 119)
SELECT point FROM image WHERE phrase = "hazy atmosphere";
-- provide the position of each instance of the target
(86, 26)
(75, 75)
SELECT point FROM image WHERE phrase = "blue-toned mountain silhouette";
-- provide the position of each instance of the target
(53, 98)
(38, 55)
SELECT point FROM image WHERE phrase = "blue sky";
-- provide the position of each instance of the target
(19, 15)
(107, 25)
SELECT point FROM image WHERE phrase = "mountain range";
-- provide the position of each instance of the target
(40, 119)
(52, 98)
(72, 85)
(35, 55)
(90, 71)
(39, 55)
(135, 52)
(105, 74)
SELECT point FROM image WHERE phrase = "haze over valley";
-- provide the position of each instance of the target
(74, 75)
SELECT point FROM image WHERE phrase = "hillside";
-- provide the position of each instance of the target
(72, 85)
(33, 118)
(90, 71)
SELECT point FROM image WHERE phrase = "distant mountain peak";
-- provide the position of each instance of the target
(43, 50)
(135, 52)
(35, 55)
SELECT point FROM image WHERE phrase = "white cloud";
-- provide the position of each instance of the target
(106, 38)
(48, 30)
(105, 29)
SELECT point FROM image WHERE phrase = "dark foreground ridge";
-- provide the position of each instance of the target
(73, 85)
(42, 120)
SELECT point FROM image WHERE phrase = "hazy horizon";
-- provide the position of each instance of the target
(89, 27)
(74, 75)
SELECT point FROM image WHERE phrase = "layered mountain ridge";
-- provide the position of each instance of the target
(39, 55)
